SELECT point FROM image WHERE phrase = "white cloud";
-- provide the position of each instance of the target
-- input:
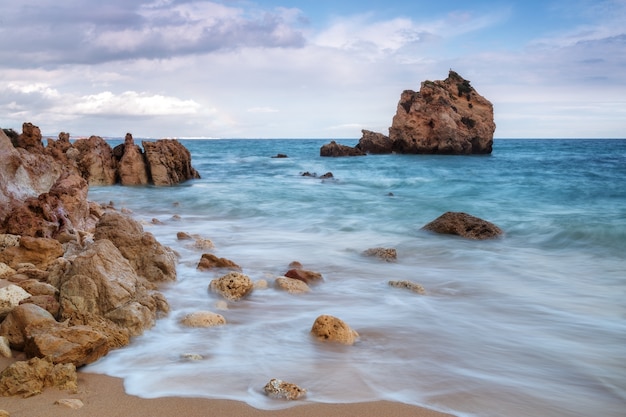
(132, 103)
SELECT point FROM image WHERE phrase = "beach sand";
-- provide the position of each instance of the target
(104, 396)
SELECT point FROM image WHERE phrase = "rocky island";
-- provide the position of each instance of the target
(444, 117)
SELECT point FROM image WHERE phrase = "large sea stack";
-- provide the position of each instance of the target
(444, 117)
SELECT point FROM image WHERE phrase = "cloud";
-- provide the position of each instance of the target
(69, 32)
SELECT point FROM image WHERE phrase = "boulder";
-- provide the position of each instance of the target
(20, 319)
(39, 251)
(10, 297)
(101, 282)
(132, 169)
(169, 162)
(409, 285)
(280, 389)
(232, 286)
(291, 285)
(385, 254)
(335, 149)
(30, 139)
(28, 378)
(464, 225)
(150, 259)
(374, 143)
(210, 261)
(332, 329)
(35, 287)
(444, 117)
(308, 277)
(47, 302)
(202, 319)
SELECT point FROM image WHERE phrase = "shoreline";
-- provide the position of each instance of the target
(104, 396)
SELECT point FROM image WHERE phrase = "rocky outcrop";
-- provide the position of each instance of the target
(464, 225)
(336, 149)
(147, 257)
(132, 169)
(41, 252)
(95, 161)
(374, 143)
(331, 329)
(443, 117)
(169, 162)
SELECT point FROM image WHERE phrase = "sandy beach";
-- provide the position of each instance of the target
(104, 396)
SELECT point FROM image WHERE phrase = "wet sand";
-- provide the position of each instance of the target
(104, 396)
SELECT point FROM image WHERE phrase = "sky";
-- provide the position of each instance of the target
(306, 69)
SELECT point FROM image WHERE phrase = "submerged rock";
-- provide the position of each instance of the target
(203, 319)
(464, 225)
(409, 285)
(336, 149)
(291, 285)
(210, 261)
(385, 254)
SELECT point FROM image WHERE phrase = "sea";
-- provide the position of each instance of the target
(529, 324)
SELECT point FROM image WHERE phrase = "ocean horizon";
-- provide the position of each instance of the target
(532, 323)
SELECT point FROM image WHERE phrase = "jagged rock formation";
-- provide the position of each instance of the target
(444, 117)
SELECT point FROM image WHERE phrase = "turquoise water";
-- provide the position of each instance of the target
(532, 324)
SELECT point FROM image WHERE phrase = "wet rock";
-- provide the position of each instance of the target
(308, 277)
(464, 225)
(169, 162)
(375, 143)
(385, 254)
(73, 403)
(203, 319)
(132, 168)
(232, 286)
(409, 285)
(335, 149)
(291, 285)
(279, 389)
(28, 378)
(332, 329)
(210, 261)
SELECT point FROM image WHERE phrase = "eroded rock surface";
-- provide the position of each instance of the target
(464, 225)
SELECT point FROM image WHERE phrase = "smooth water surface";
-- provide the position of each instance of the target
(532, 324)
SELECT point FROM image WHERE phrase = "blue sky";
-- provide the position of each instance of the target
(314, 69)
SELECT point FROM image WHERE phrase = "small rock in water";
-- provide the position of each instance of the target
(332, 329)
(277, 388)
(413, 286)
(203, 319)
(72, 403)
(291, 285)
(385, 254)
(192, 356)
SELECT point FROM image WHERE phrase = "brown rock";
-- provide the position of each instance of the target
(385, 254)
(203, 319)
(30, 139)
(291, 285)
(14, 327)
(232, 286)
(95, 161)
(335, 149)
(464, 225)
(374, 143)
(132, 167)
(47, 302)
(150, 259)
(210, 261)
(102, 282)
(444, 117)
(309, 277)
(10, 297)
(277, 388)
(35, 287)
(28, 378)
(38, 251)
(332, 329)
(169, 162)
(409, 285)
